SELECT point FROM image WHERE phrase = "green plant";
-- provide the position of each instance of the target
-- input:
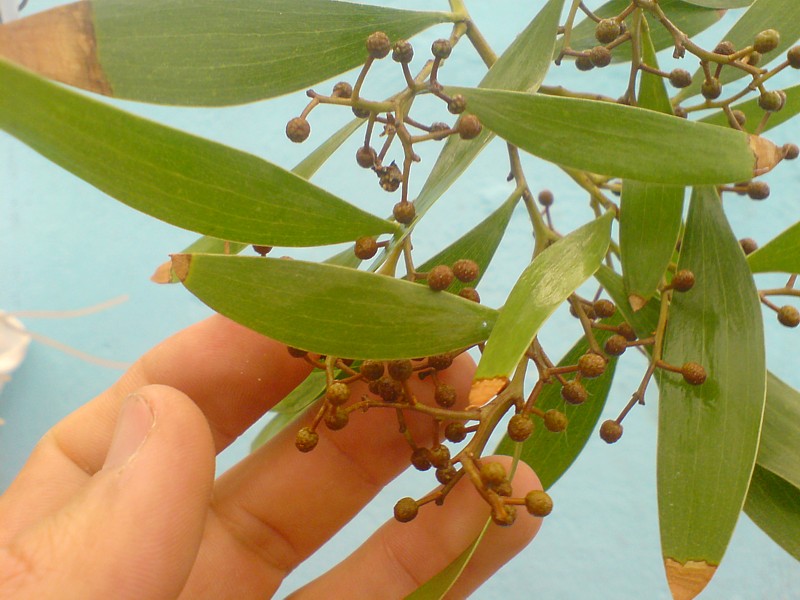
(686, 294)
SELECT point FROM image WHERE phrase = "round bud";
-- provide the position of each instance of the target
(296, 352)
(555, 420)
(583, 63)
(336, 419)
(693, 373)
(740, 117)
(470, 294)
(365, 247)
(793, 57)
(771, 101)
(610, 431)
(406, 509)
(503, 489)
(538, 503)
(683, 280)
(791, 151)
(402, 52)
(626, 331)
(371, 370)
(457, 104)
(616, 345)
(441, 49)
(342, 90)
(574, 393)
(758, 190)
(338, 393)
(766, 41)
(404, 212)
(520, 428)
(680, 78)
(455, 432)
(789, 316)
(262, 250)
(600, 56)
(440, 456)
(388, 389)
(466, 270)
(445, 395)
(378, 45)
(604, 308)
(545, 198)
(306, 439)
(421, 459)
(446, 475)
(607, 30)
(298, 130)
(591, 365)
(469, 127)
(366, 157)
(440, 277)
(400, 370)
(725, 48)
(440, 128)
(680, 112)
(361, 113)
(440, 361)
(711, 89)
(506, 518)
(754, 59)
(493, 473)
(748, 245)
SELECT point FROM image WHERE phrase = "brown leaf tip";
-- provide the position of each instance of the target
(636, 302)
(180, 265)
(687, 580)
(767, 154)
(163, 273)
(484, 390)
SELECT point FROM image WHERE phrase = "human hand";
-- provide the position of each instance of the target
(119, 500)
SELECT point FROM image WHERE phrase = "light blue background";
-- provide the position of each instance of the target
(65, 245)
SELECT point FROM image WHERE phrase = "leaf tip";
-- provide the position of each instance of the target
(636, 302)
(483, 390)
(767, 154)
(687, 580)
(180, 265)
(163, 273)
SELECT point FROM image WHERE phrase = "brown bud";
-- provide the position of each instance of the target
(748, 245)
(342, 90)
(371, 370)
(441, 49)
(545, 198)
(455, 432)
(574, 393)
(440, 456)
(400, 370)
(600, 56)
(607, 30)
(366, 247)
(262, 250)
(758, 190)
(402, 52)
(445, 395)
(789, 316)
(421, 459)
(440, 361)
(406, 510)
(693, 373)
(470, 294)
(469, 127)
(520, 428)
(683, 280)
(610, 431)
(298, 130)
(626, 331)
(338, 393)
(336, 419)
(404, 212)
(766, 41)
(538, 503)
(306, 439)
(591, 365)
(466, 270)
(616, 345)
(366, 156)
(493, 473)
(457, 104)
(604, 309)
(680, 78)
(378, 45)
(440, 277)
(555, 420)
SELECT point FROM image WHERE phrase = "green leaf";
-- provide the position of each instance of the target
(781, 254)
(720, 3)
(334, 310)
(645, 320)
(783, 15)
(478, 244)
(650, 213)
(754, 113)
(274, 426)
(437, 586)
(205, 52)
(636, 143)
(689, 19)
(542, 287)
(708, 434)
(308, 167)
(174, 176)
(551, 454)
(773, 500)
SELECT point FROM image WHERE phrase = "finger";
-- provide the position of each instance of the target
(278, 506)
(233, 374)
(134, 530)
(400, 557)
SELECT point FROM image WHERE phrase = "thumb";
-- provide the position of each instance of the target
(135, 529)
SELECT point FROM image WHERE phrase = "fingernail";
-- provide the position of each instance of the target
(134, 423)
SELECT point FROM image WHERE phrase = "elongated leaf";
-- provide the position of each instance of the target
(542, 287)
(782, 15)
(551, 454)
(202, 52)
(781, 254)
(279, 422)
(334, 310)
(176, 177)
(614, 140)
(308, 167)
(753, 112)
(478, 244)
(720, 3)
(708, 434)
(688, 18)
(650, 213)
(645, 320)
(774, 505)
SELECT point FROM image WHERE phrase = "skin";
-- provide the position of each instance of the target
(119, 499)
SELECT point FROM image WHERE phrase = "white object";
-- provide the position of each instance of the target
(14, 342)
(9, 10)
